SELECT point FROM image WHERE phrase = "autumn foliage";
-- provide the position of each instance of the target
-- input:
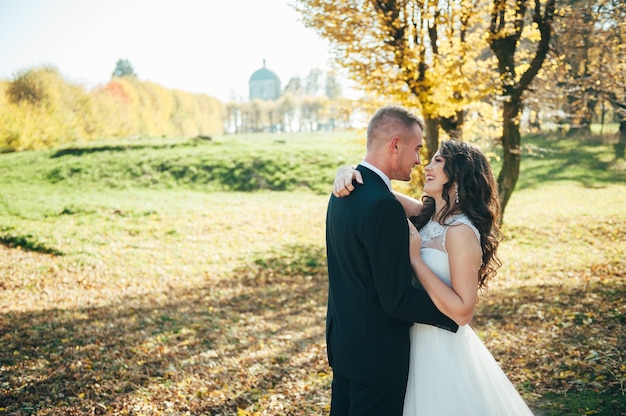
(40, 109)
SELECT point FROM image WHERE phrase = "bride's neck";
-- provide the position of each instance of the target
(438, 210)
(440, 206)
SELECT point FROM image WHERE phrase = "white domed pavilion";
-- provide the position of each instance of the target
(264, 84)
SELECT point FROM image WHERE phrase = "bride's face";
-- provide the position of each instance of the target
(435, 176)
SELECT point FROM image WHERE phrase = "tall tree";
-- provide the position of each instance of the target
(432, 54)
(294, 86)
(313, 81)
(404, 49)
(123, 68)
(332, 87)
(576, 40)
(611, 71)
(589, 39)
(505, 32)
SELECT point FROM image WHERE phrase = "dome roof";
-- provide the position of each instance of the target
(263, 74)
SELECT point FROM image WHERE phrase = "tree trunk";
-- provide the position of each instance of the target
(512, 154)
(621, 143)
(504, 46)
(581, 115)
(431, 135)
(453, 126)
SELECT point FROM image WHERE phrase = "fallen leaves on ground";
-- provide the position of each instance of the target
(159, 323)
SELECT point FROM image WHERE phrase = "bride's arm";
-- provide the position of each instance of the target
(343, 180)
(411, 206)
(343, 187)
(465, 256)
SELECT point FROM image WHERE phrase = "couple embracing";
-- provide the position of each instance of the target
(404, 277)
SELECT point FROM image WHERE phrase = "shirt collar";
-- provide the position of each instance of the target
(378, 172)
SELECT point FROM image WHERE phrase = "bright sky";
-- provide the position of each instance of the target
(202, 46)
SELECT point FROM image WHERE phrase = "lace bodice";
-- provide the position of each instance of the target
(433, 249)
(434, 234)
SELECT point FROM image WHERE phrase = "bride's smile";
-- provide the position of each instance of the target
(435, 177)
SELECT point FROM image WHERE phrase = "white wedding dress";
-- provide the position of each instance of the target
(453, 373)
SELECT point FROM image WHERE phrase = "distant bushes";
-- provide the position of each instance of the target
(39, 109)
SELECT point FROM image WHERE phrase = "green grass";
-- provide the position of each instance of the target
(591, 164)
(233, 163)
(131, 284)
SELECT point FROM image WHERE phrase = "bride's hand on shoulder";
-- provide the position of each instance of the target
(343, 180)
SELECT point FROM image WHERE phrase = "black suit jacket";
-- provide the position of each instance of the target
(371, 301)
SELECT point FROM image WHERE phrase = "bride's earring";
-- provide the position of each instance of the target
(456, 192)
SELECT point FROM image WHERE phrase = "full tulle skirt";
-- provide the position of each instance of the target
(455, 374)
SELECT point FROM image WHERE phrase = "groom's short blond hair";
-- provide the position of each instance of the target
(390, 121)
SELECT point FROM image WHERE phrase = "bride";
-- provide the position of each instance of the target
(454, 239)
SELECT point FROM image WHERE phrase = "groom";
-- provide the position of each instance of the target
(371, 302)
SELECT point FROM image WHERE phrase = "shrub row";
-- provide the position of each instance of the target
(39, 109)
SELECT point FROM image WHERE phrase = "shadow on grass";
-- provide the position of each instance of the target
(27, 242)
(224, 346)
(564, 343)
(158, 144)
(255, 340)
(589, 163)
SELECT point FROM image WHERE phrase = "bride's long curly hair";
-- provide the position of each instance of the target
(468, 167)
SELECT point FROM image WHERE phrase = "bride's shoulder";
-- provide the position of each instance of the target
(462, 219)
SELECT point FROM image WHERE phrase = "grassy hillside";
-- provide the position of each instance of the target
(234, 163)
(138, 278)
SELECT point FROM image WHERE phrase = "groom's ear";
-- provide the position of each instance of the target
(394, 144)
